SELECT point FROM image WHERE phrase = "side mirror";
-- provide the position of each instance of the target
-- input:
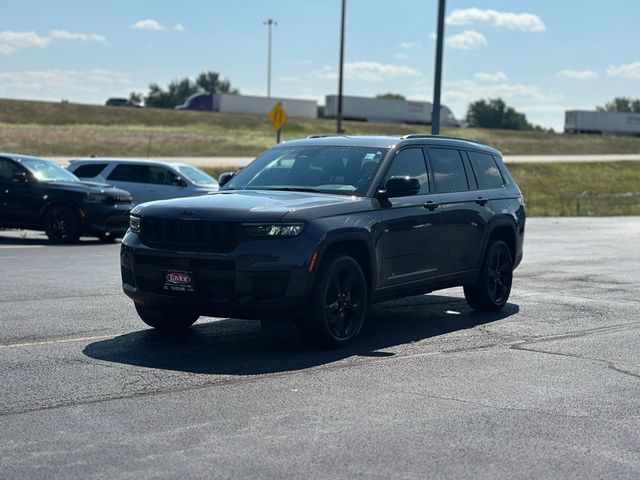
(178, 182)
(225, 177)
(20, 177)
(400, 187)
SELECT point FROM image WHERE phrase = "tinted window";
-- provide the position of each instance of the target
(448, 170)
(410, 163)
(130, 173)
(487, 173)
(162, 176)
(89, 170)
(7, 169)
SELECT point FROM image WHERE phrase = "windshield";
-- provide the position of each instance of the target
(196, 176)
(48, 171)
(339, 170)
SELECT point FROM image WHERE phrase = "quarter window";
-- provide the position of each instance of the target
(410, 163)
(487, 172)
(448, 170)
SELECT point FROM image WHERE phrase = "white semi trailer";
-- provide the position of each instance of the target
(386, 110)
(603, 123)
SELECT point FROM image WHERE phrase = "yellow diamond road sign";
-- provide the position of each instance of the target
(277, 116)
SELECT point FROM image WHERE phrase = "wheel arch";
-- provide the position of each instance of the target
(505, 230)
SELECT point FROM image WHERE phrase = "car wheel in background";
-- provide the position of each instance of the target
(493, 286)
(338, 304)
(166, 318)
(62, 224)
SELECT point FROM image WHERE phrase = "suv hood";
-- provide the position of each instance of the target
(252, 205)
(86, 187)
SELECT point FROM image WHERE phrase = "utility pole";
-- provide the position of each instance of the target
(270, 23)
(341, 70)
(437, 83)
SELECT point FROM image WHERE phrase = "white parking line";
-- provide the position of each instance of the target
(53, 342)
(21, 246)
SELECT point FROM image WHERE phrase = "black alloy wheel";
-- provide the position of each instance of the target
(338, 303)
(62, 224)
(493, 286)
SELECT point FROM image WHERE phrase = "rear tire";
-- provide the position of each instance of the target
(166, 319)
(338, 304)
(493, 286)
(62, 224)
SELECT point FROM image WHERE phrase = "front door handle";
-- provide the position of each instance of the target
(482, 201)
(431, 205)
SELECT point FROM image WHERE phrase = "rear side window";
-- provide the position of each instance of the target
(410, 163)
(487, 172)
(89, 170)
(130, 173)
(8, 169)
(448, 170)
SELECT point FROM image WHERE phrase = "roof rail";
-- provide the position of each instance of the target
(329, 135)
(425, 135)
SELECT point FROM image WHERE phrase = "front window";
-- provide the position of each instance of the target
(196, 176)
(327, 169)
(47, 171)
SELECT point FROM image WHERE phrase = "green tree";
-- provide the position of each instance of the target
(178, 91)
(136, 98)
(621, 104)
(391, 96)
(494, 113)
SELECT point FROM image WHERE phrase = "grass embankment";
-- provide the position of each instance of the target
(66, 129)
(570, 189)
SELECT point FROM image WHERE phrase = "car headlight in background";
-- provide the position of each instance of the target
(134, 223)
(95, 198)
(278, 230)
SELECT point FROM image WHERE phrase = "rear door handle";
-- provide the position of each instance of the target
(430, 205)
(482, 200)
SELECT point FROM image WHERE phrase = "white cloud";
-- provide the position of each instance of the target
(577, 74)
(178, 27)
(526, 22)
(409, 45)
(401, 56)
(367, 71)
(630, 70)
(148, 24)
(11, 41)
(467, 40)
(490, 77)
(63, 82)
(468, 90)
(83, 37)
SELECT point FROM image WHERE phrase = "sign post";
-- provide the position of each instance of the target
(278, 118)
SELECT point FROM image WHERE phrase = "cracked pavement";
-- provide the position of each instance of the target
(549, 387)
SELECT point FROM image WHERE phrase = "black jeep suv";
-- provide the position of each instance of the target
(317, 229)
(40, 195)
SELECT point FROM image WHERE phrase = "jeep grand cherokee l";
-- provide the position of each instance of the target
(40, 195)
(320, 228)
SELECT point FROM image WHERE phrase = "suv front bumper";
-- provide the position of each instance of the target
(244, 283)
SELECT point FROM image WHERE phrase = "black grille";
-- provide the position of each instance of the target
(221, 236)
(269, 285)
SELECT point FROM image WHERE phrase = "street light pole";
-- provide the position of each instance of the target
(435, 114)
(270, 23)
(341, 70)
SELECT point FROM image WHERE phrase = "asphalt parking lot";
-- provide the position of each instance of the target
(549, 387)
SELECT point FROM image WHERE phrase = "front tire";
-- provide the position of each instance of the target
(62, 224)
(493, 286)
(166, 319)
(338, 304)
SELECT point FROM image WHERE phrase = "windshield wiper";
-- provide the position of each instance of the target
(291, 189)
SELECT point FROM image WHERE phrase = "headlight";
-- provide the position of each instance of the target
(134, 223)
(273, 229)
(95, 198)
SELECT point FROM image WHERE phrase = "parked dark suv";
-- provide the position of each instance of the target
(40, 195)
(319, 228)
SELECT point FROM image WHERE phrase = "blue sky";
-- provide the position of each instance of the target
(541, 56)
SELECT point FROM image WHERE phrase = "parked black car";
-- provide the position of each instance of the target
(120, 102)
(319, 228)
(38, 194)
